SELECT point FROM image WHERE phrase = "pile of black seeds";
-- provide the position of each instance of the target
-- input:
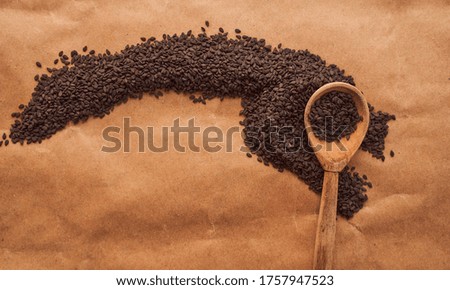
(334, 116)
(274, 84)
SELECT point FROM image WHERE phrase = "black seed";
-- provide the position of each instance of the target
(85, 48)
(143, 38)
(334, 116)
(392, 153)
(237, 30)
(221, 30)
(6, 142)
(274, 86)
(249, 155)
(207, 23)
(38, 64)
(4, 136)
(55, 61)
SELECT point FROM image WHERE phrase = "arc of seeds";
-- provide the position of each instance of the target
(274, 84)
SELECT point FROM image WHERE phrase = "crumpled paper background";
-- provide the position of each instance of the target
(64, 204)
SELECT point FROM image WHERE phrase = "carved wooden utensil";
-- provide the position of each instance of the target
(333, 156)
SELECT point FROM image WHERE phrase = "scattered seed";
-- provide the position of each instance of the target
(207, 23)
(237, 30)
(392, 153)
(249, 155)
(274, 86)
(38, 64)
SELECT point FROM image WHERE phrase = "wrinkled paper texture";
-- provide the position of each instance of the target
(65, 204)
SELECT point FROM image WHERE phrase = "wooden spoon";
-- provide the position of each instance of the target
(333, 156)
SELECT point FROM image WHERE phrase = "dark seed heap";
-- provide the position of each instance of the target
(274, 84)
(334, 116)
(376, 133)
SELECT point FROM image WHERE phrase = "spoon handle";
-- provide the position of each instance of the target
(326, 227)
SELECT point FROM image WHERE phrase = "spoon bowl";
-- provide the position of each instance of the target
(333, 156)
